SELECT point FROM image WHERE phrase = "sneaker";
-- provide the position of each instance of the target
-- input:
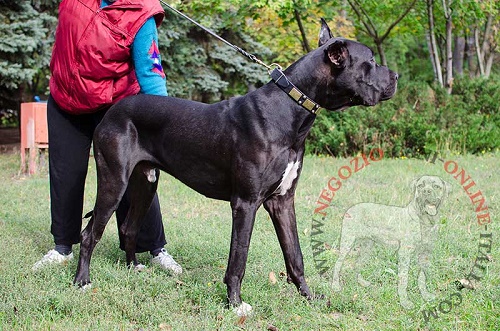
(167, 262)
(53, 257)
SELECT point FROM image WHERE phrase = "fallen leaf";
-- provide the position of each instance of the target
(465, 283)
(241, 322)
(336, 315)
(165, 327)
(362, 317)
(272, 278)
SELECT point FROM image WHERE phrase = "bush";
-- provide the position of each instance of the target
(8, 118)
(418, 120)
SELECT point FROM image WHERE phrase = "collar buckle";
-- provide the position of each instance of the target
(300, 98)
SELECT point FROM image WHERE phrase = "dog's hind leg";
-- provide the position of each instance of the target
(346, 243)
(365, 249)
(112, 178)
(422, 285)
(140, 192)
(108, 197)
(282, 211)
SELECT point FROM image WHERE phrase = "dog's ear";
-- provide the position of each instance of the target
(337, 53)
(413, 185)
(447, 188)
(324, 33)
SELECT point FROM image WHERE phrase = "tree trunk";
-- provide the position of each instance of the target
(478, 53)
(433, 44)
(484, 54)
(449, 51)
(433, 59)
(486, 38)
(470, 56)
(489, 63)
(458, 56)
(381, 53)
(371, 29)
(305, 43)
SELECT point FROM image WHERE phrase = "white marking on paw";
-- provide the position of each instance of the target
(151, 175)
(243, 310)
(86, 287)
(139, 267)
(289, 176)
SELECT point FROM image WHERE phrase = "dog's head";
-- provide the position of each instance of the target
(354, 77)
(429, 194)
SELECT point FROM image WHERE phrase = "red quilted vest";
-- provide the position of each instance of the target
(91, 64)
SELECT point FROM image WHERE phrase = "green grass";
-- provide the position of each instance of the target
(198, 231)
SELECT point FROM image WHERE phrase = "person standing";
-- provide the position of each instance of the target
(104, 51)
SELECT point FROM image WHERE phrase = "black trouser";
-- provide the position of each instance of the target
(70, 138)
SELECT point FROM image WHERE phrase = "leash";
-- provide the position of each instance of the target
(274, 70)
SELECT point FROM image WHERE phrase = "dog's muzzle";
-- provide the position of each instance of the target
(391, 89)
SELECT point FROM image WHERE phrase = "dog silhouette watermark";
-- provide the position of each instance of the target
(409, 230)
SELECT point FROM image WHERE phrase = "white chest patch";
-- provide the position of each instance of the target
(290, 174)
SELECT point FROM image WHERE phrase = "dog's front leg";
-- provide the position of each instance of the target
(405, 253)
(282, 212)
(243, 221)
(424, 264)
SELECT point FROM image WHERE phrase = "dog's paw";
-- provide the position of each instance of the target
(428, 296)
(85, 288)
(407, 304)
(363, 282)
(243, 310)
(139, 267)
(336, 287)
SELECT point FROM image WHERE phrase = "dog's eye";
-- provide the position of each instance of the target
(437, 187)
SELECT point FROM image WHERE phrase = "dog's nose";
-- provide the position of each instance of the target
(396, 76)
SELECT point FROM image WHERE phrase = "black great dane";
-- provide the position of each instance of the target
(246, 150)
